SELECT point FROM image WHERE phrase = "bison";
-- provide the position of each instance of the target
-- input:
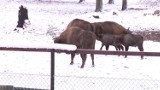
(106, 27)
(109, 27)
(83, 39)
(110, 39)
(85, 25)
(132, 40)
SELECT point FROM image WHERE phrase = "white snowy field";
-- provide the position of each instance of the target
(50, 19)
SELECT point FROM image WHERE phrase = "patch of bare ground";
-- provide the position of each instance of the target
(150, 35)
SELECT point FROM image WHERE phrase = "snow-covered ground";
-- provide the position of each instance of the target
(49, 19)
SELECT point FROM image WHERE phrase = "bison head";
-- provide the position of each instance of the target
(57, 40)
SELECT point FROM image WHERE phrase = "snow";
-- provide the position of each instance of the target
(49, 19)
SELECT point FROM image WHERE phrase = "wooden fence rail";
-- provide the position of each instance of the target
(53, 50)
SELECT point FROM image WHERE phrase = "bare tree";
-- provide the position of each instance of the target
(124, 5)
(98, 5)
(110, 1)
(81, 1)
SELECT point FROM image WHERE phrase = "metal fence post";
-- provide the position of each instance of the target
(52, 68)
(6, 87)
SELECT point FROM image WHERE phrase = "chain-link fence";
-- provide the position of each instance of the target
(42, 82)
(104, 83)
(25, 81)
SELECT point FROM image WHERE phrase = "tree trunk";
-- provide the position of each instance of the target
(81, 1)
(124, 5)
(98, 5)
(111, 2)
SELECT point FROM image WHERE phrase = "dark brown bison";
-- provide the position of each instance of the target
(83, 39)
(110, 39)
(132, 40)
(107, 27)
(85, 25)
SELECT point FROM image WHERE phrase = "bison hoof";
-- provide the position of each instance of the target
(82, 66)
(141, 58)
(71, 63)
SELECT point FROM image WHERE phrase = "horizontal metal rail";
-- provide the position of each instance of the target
(132, 53)
(87, 51)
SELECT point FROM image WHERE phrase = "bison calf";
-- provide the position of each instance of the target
(110, 39)
(83, 39)
(133, 40)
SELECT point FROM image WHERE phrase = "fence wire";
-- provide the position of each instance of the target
(42, 82)
(25, 80)
(102, 83)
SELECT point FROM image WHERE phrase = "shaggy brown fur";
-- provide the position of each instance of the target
(81, 38)
(132, 40)
(85, 25)
(109, 27)
(110, 39)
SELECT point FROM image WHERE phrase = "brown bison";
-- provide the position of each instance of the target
(83, 39)
(85, 25)
(132, 40)
(107, 27)
(110, 39)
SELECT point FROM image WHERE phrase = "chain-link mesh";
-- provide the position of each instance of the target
(42, 82)
(25, 80)
(102, 83)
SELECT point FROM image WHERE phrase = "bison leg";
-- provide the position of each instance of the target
(92, 57)
(83, 56)
(101, 46)
(72, 57)
(126, 49)
(107, 46)
(122, 48)
(117, 48)
(141, 49)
